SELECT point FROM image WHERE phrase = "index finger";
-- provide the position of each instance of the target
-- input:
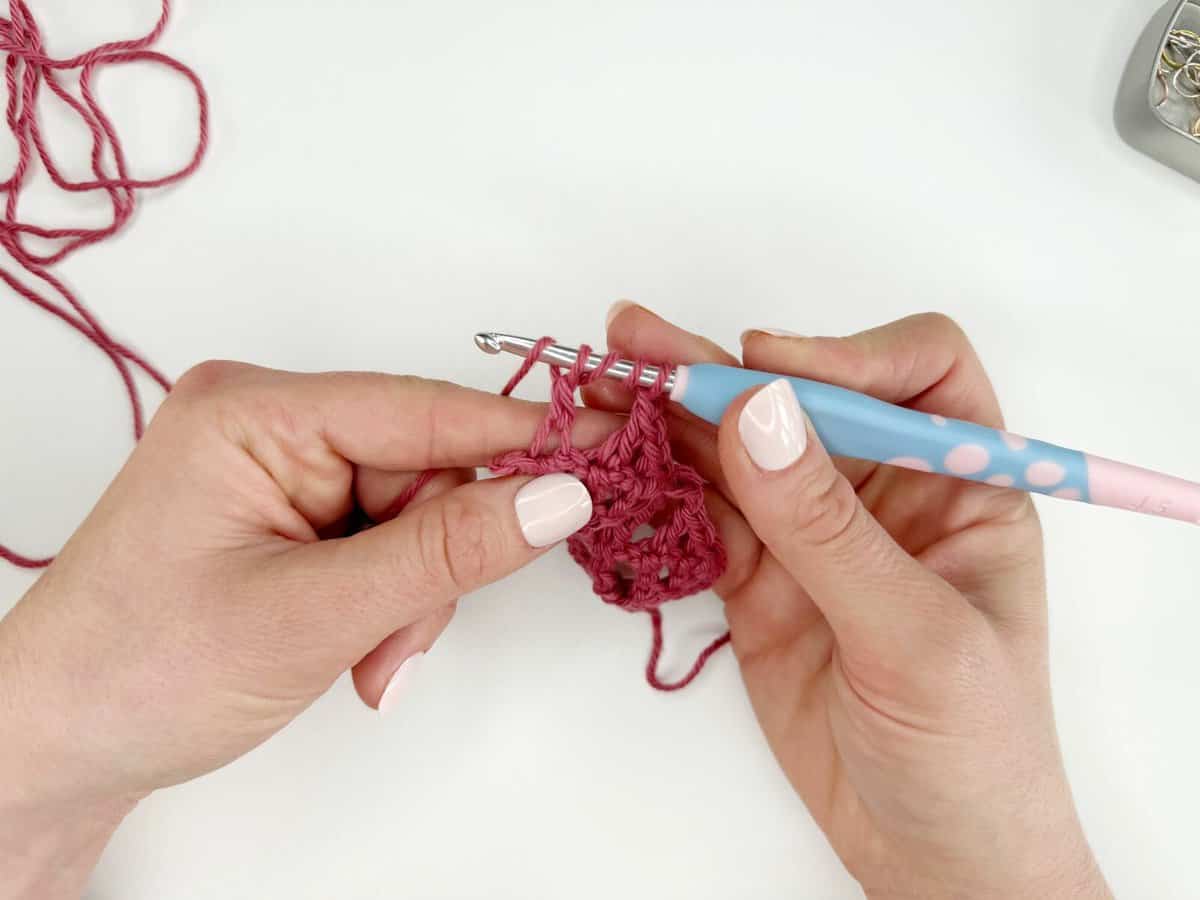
(923, 361)
(392, 422)
(641, 334)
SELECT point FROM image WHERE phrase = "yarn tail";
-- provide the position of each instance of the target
(654, 679)
(23, 562)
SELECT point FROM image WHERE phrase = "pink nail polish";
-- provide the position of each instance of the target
(551, 508)
(772, 427)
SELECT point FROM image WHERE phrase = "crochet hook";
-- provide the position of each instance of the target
(855, 425)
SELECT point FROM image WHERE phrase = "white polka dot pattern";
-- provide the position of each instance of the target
(1045, 474)
(1014, 441)
(856, 426)
(967, 459)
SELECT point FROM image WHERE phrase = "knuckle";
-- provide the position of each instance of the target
(271, 418)
(740, 568)
(456, 541)
(827, 508)
(207, 392)
(407, 385)
(942, 324)
(247, 404)
(422, 414)
(207, 377)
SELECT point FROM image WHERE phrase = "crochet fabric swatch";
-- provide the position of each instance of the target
(31, 73)
(637, 486)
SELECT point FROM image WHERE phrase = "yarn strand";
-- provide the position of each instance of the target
(634, 481)
(27, 68)
(656, 648)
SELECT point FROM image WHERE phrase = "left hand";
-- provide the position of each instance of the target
(197, 610)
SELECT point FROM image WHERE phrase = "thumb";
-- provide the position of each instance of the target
(883, 605)
(396, 573)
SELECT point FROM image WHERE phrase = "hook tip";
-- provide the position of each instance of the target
(488, 342)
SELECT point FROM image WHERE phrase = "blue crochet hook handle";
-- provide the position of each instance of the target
(862, 427)
(858, 426)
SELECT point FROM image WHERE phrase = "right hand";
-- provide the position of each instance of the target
(890, 625)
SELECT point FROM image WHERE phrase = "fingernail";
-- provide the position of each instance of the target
(774, 332)
(552, 507)
(772, 427)
(616, 309)
(400, 679)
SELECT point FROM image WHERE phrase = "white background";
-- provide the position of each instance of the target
(387, 178)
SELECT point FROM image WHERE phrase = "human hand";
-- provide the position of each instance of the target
(197, 610)
(890, 625)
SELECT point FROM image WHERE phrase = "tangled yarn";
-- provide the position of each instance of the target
(28, 69)
(634, 481)
(636, 485)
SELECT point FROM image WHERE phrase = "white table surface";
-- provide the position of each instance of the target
(388, 177)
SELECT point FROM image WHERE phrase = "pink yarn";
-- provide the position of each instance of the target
(634, 480)
(27, 68)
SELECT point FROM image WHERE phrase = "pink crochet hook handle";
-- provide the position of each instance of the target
(856, 425)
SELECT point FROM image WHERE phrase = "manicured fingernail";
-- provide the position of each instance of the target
(616, 309)
(774, 332)
(772, 427)
(400, 680)
(552, 507)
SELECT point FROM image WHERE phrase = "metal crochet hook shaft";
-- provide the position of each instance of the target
(556, 354)
(858, 426)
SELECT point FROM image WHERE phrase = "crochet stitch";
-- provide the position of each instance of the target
(634, 481)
